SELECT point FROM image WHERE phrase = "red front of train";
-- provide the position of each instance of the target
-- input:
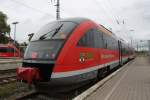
(8, 51)
(70, 51)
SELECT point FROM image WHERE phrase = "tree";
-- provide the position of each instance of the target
(4, 27)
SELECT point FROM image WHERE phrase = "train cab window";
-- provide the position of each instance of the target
(55, 30)
(92, 38)
(43, 50)
(46, 44)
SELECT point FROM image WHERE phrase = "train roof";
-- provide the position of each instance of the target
(108, 32)
(77, 20)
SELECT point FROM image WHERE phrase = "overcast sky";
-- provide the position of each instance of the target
(33, 14)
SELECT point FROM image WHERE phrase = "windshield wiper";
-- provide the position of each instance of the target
(44, 35)
(57, 30)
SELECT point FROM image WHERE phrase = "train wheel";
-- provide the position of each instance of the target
(100, 73)
(108, 70)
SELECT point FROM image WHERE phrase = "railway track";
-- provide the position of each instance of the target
(7, 71)
(43, 96)
(7, 76)
(7, 79)
(35, 96)
(56, 96)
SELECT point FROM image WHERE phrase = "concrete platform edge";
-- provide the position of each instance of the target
(88, 92)
(6, 62)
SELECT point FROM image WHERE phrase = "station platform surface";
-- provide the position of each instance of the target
(131, 83)
(10, 63)
(10, 66)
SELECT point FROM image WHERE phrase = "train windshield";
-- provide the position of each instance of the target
(46, 44)
(43, 50)
(54, 30)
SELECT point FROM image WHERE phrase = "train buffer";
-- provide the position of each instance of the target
(132, 82)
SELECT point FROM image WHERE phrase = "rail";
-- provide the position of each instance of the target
(7, 76)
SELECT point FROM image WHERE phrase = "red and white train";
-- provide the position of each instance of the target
(9, 51)
(71, 51)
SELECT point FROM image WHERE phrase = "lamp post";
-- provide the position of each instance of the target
(57, 8)
(131, 37)
(149, 48)
(15, 23)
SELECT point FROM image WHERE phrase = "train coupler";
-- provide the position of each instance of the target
(28, 74)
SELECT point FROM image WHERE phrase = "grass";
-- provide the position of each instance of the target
(8, 90)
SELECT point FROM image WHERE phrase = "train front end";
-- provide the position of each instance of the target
(43, 51)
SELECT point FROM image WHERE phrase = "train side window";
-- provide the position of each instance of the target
(87, 40)
(12, 50)
(3, 49)
(98, 37)
(124, 51)
(105, 38)
(110, 42)
(115, 44)
(92, 38)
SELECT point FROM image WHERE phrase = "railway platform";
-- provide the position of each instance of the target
(132, 82)
(9, 63)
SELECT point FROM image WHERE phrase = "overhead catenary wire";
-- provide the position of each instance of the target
(104, 10)
(29, 7)
(116, 18)
(111, 8)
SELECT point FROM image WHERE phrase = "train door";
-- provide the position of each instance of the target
(120, 52)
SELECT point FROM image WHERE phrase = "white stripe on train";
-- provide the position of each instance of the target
(82, 71)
